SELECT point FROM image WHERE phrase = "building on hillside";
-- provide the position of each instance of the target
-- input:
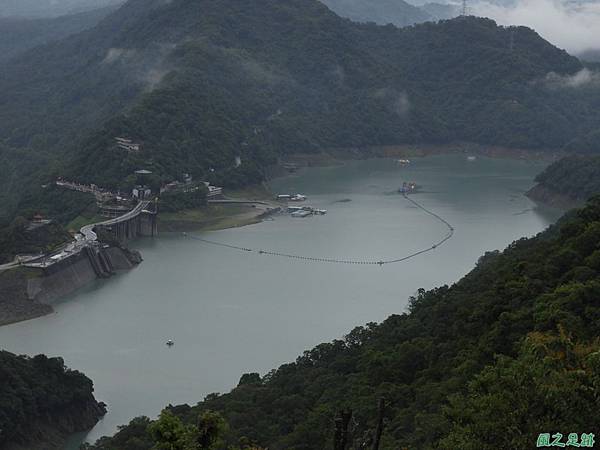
(213, 191)
(141, 192)
(128, 145)
(37, 221)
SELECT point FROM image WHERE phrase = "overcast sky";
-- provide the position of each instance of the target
(575, 28)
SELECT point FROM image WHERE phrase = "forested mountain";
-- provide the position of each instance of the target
(199, 82)
(569, 181)
(508, 352)
(42, 402)
(18, 34)
(397, 12)
(50, 8)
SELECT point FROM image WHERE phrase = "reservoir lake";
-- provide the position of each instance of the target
(230, 312)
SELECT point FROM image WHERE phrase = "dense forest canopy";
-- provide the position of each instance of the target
(38, 392)
(577, 177)
(511, 346)
(383, 12)
(199, 83)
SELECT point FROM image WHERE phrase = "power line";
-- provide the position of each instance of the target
(366, 262)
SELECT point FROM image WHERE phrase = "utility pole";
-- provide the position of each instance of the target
(512, 39)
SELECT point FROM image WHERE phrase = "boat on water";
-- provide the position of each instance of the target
(403, 162)
(291, 197)
(471, 158)
(301, 213)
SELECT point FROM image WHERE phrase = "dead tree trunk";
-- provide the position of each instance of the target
(340, 437)
(346, 417)
(379, 430)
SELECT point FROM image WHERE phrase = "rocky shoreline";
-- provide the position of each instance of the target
(53, 431)
(546, 196)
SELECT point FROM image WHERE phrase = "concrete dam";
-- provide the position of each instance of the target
(43, 279)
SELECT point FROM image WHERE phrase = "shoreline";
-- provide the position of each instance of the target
(225, 216)
(338, 155)
(546, 196)
(216, 217)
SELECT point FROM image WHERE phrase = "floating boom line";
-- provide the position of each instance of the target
(446, 238)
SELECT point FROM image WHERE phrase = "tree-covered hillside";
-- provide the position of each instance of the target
(42, 402)
(574, 179)
(200, 82)
(505, 354)
(383, 12)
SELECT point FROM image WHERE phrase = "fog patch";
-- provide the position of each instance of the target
(153, 77)
(339, 75)
(583, 78)
(118, 54)
(397, 102)
(147, 67)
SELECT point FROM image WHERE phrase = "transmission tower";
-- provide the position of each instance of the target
(464, 8)
(512, 39)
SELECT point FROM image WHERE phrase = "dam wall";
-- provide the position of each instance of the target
(143, 224)
(77, 271)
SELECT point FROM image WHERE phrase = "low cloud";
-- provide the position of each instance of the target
(569, 25)
(118, 54)
(396, 102)
(583, 78)
(148, 66)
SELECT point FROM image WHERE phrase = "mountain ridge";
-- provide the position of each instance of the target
(229, 78)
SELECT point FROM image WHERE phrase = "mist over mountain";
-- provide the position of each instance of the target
(18, 34)
(201, 82)
(50, 8)
(573, 25)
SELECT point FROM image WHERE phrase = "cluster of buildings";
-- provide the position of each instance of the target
(188, 185)
(114, 204)
(102, 195)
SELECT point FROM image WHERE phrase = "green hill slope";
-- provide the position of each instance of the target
(508, 352)
(381, 12)
(568, 182)
(42, 402)
(201, 82)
